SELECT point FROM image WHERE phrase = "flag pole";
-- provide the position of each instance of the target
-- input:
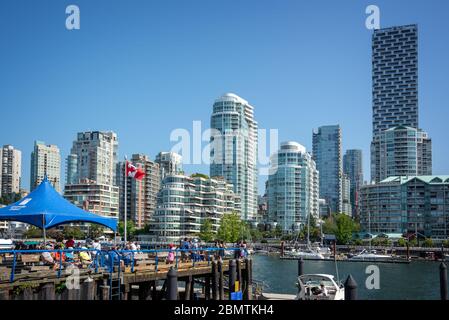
(125, 217)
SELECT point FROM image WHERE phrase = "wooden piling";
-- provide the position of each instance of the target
(220, 281)
(188, 288)
(443, 281)
(4, 294)
(207, 288)
(246, 287)
(215, 280)
(88, 290)
(239, 274)
(47, 291)
(105, 289)
(135, 292)
(232, 276)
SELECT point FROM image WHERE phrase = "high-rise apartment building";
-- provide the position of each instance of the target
(292, 188)
(353, 168)
(401, 151)
(91, 173)
(395, 106)
(45, 161)
(170, 163)
(141, 194)
(411, 205)
(93, 156)
(184, 202)
(328, 158)
(395, 77)
(234, 149)
(346, 206)
(98, 198)
(10, 170)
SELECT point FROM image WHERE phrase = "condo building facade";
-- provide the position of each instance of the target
(401, 151)
(353, 168)
(346, 206)
(101, 199)
(292, 188)
(45, 161)
(234, 140)
(10, 170)
(94, 156)
(170, 163)
(184, 202)
(327, 154)
(141, 194)
(410, 205)
(395, 106)
(92, 173)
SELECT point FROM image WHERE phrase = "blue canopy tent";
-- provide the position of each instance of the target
(45, 208)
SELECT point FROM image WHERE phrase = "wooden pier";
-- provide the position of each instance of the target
(205, 280)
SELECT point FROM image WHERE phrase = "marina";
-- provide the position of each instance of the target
(418, 280)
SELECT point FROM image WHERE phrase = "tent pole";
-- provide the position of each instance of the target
(43, 228)
(125, 213)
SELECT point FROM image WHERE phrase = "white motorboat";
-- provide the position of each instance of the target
(312, 287)
(6, 244)
(319, 287)
(366, 255)
(325, 251)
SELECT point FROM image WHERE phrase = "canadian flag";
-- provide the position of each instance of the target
(133, 172)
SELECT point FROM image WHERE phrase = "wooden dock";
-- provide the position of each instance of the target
(142, 282)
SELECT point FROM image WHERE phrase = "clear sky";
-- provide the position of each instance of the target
(144, 68)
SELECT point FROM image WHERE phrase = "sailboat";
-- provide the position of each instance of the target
(310, 253)
(370, 255)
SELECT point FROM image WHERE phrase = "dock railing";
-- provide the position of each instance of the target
(104, 260)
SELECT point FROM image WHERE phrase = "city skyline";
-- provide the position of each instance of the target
(92, 111)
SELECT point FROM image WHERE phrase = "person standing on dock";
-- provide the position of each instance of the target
(184, 248)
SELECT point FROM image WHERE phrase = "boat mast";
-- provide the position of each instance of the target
(369, 227)
(308, 230)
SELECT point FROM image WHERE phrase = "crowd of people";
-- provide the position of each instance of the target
(62, 253)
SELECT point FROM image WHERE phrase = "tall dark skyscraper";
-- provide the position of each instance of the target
(353, 168)
(395, 78)
(327, 155)
(395, 105)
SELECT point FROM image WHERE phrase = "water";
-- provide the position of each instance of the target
(414, 281)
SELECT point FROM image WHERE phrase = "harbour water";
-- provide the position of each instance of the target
(415, 281)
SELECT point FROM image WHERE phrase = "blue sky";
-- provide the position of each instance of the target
(144, 68)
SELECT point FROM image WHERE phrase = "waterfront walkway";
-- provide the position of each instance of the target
(110, 274)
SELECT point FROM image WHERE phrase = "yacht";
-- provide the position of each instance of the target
(319, 287)
(6, 244)
(309, 253)
(312, 287)
(366, 255)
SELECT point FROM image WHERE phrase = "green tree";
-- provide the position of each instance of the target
(230, 229)
(255, 233)
(130, 229)
(428, 243)
(329, 225)
(33, 232)
(74, 232)
(345, 226)
(95, 231)
(413, 242)
(200, 175)
(206, 231)
(10, 198)
(402, 242)
(446, 243)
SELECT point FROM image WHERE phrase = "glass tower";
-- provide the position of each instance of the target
(292, 188)
(327, 155)
(234, 149)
